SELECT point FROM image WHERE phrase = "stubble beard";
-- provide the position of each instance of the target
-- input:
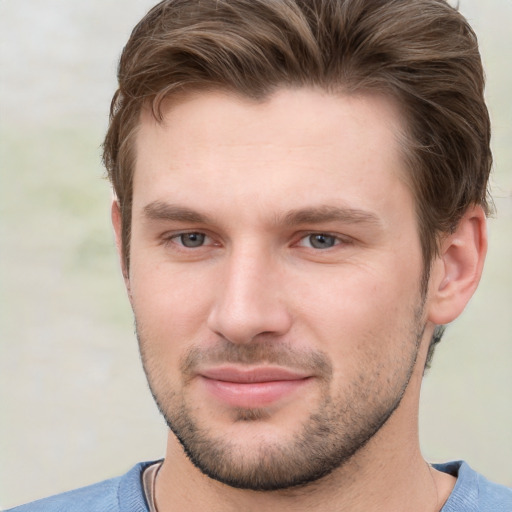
(340, 427)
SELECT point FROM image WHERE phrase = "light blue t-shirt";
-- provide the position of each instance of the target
(472, 493)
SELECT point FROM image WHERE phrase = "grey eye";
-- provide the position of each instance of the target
(192, 239)
(322, 241)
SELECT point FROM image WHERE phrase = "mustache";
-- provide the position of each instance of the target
(256, 353)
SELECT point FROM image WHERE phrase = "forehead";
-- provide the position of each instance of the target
(293, 143)
(205, 112)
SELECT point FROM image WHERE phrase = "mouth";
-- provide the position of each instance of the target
(252, 387)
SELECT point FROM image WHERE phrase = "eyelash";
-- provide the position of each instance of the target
(177, 238)
(337, 240)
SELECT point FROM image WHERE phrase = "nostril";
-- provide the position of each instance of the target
(239, 325)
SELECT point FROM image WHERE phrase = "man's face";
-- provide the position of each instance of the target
(275, 279)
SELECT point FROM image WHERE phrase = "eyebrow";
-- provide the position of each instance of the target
(160, 210)
(327, 213)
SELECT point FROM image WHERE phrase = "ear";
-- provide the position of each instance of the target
(117, 224)
(457, 270)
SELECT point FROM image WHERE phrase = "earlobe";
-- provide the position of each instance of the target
(457, 270)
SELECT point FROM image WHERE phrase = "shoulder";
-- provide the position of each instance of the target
(473, 492)
(100, 496)
(123, 493)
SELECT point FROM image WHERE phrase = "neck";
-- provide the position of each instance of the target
(388, 484)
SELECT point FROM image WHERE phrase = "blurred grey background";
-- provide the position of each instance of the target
(74, 405)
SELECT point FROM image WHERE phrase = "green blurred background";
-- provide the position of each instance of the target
(74, 403)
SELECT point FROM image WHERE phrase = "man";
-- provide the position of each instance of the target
(300, 202)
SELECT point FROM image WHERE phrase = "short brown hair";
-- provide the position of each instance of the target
(423, 53)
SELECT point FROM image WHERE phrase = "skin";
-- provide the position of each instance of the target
(247, 186)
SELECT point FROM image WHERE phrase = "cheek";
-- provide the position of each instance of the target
(361, 309)
(170, 307)
(370, 336)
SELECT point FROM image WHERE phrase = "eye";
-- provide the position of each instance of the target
(190, 240)
(320, 241)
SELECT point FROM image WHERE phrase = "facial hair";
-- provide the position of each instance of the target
(341, 425)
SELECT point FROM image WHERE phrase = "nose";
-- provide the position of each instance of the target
(250, 300)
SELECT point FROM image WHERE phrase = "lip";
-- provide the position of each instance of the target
(252, 374)
(252, 387)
